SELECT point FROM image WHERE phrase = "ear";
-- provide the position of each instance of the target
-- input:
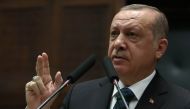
(161, 47)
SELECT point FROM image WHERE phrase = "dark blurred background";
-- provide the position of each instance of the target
(71, 30)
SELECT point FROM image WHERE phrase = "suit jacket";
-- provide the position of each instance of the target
(96, 94)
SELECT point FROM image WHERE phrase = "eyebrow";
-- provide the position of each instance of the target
(126, 26)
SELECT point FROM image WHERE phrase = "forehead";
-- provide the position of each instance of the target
(124, 17)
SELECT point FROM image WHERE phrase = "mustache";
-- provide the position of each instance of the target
(118, 53)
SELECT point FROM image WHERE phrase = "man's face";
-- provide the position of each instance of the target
(131, 45)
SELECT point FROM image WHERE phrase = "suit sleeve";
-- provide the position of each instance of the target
(66, 101)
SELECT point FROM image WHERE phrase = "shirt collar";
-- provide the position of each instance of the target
(137, 88)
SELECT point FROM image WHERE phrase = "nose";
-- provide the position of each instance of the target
(120, 43)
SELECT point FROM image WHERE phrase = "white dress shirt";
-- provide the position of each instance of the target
(137, 88)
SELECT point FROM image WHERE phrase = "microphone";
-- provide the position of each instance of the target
(80, 70)
(112, 75)
(74, 76)
(110, 70)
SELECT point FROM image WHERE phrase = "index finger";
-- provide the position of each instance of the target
(39, 68)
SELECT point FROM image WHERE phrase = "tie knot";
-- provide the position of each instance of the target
(127, 93)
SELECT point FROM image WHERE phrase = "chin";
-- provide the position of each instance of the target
(121, 70)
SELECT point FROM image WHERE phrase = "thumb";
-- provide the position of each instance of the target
(58, 79)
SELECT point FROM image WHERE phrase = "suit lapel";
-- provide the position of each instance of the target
(154, 95)
(103, 95)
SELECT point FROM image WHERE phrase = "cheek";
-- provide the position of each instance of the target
(140, 52)
(110, 49)
(146, 54)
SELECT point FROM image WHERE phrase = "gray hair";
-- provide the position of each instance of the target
(160, 25)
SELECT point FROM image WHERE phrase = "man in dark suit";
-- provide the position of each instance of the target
(138, 39)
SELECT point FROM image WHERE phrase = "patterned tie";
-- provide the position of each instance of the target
(128, 95)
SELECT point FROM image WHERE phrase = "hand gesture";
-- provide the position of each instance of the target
(42, 85)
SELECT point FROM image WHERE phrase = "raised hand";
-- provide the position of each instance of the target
(42, 85)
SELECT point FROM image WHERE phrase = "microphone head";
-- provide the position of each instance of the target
(81, 69)
(110, 70)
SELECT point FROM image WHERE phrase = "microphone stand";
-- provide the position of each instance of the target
(115, 82)
(112, 75)
(55, 93)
